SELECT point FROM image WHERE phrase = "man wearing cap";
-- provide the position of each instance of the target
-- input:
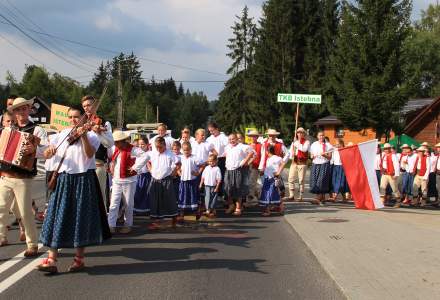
(390, 170)
(280, 148)
(405, 172)
(18, 182)
(299, 153)
(420, 169)
(254, 187)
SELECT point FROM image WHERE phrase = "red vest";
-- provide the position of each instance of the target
(422, 170)
(126, 161)
(257, 158)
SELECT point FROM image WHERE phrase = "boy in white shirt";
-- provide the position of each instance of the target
(211, 179)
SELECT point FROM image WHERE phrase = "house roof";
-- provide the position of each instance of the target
(422, 115)
(329, 120)
(415, 104)
(38, 99)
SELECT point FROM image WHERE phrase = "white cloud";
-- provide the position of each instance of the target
(106, 22)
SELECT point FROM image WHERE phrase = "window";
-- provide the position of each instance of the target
(339, 131)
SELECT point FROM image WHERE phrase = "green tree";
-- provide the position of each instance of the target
(366, 73)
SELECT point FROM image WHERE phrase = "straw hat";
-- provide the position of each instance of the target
(386, 146)
(413, 147)
(350, 144)
(425, 144)
(19, 102)
(422, 149)
(405, 146)
(437, 145)
(300, 129)
(272, 132)
(120, 135)
(253, 133)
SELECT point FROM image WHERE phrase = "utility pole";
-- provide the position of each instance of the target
(120, 120)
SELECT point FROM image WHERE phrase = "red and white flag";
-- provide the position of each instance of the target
(358, 163)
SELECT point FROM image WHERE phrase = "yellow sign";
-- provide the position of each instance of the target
(58, 116)
(247, 138)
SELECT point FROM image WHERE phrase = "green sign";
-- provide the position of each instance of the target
(299, 98)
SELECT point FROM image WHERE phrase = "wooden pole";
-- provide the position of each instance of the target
(157, 114)
(297, 117)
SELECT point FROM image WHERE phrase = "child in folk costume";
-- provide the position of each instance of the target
(164, 165)
(299, 154)
(211, 180)
(270, 194)
(190, 169)
(320, 174)
(127, 162)
(162, 132)
(339, 181)
(420, 168)
(254, 174)
(75, 216)
(406, 174)
(390, 170)
(237, 155)
(142, 196)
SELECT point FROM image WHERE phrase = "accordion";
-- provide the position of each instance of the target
(12, 144)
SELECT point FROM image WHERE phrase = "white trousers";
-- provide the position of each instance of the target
(118, 189)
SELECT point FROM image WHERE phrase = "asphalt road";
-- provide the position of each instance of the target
(249, 257)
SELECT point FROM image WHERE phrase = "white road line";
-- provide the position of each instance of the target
(13, 261)
(5, 284)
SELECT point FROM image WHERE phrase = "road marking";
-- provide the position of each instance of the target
(5, 284)
(13, 261)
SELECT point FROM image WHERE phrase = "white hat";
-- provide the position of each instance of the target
(253, 133)
(437, 145)
(386, 146)
(425, 144)
(405, 146)
(19, 102)
(119, 135)
(272, 132)
(350, 144)
(422, 148)
(300, 129)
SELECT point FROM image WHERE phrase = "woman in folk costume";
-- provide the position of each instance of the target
(390, 170)
(142, 196)
(164, 165)
(406, 174)
(75, 216)
(270, 194)
(254, 174)
(280, 148)
(299, 154)
(339, 181)
(320, 174)
(420, 168)
(237, 155)
(191, 168)
(127, 161)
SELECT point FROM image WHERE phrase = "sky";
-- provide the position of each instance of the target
(182, 39)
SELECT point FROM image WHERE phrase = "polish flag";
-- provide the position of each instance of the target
(358, 163)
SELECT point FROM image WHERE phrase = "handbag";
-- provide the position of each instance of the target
(53, 175)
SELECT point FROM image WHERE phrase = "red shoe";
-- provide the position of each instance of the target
(39, 216)
(153, 226)
(77, 265)
(48, 265)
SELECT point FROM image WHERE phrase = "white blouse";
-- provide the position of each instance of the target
(76, 160)
(235, 155)
(202, 150)
(273, 163)
(189, 165)
(316, 151)
(162, 164)
(336, 158)
(220, 142)
(211, 175)
(168, 141)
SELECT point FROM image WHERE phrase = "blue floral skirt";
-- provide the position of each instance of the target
(74, 216)
(142, 196)
(339, 181)
(320, 178)
(269, 193)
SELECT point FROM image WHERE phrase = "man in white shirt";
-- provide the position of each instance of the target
(299, 153)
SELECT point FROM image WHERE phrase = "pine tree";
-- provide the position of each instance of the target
(366, 68)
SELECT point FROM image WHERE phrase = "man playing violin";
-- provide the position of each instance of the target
(17, 182)
(104, 131)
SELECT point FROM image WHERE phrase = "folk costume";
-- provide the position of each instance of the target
(142, 195)
(390, 171)
(211, 177)
(320, 174)
(339, 181)
(235, 159)
(299, 154)
(270, 194)
(220, 142)
(421, 169)
(189, 195)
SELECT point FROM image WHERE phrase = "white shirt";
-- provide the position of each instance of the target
(106, 137)
(168, 142)
(377, 162)
(404, 162)
(189, 165)
(220, 142)
(273, 164)
(191, 140)
(76, 160)
(263, 153)
(316, 151)
(162, 164)
(395, 163)
(211, 175)
(299, 147)
(202, 150)
(419, 165)
(49, 163)
(235, 155)
(141, 161)
(336, 158)
(433, 160)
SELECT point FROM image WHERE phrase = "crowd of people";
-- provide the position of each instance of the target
(97, 178)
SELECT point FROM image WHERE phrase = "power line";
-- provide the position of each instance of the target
(118, 52)
(42, 45)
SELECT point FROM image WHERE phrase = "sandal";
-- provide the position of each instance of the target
(77, 265)
(153, 226)
(48, 265)
(237, 212)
